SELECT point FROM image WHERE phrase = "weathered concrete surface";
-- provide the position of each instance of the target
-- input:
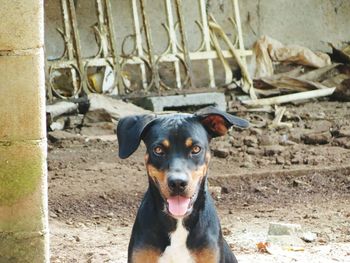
(23, 103)
(23, 182)
(310, 23)
(21, 24)
(158, 104)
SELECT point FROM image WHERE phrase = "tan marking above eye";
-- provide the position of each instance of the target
(166, 143)
(189, 142)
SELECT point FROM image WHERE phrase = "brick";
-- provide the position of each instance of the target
(22, 175)
(23, 100)
(21, 24)
(158, 104)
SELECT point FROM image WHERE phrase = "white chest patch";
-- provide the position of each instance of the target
(177, 252)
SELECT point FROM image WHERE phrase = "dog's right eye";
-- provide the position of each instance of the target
(158, 150)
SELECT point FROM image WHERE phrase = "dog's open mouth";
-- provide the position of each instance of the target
(179, 206)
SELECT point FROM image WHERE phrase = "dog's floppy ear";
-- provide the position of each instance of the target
(129, 133)
(217, 122)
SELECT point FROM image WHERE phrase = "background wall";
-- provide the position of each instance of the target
(310, 23)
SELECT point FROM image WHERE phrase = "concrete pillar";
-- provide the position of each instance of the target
(23, 174)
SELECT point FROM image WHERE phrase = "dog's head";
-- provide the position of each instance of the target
(178, 151)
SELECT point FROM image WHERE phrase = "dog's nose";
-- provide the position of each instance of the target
(177, 185)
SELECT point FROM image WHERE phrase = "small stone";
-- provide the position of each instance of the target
(279, 160)
(295, 160)
(110, 214)
(254, 151)
(344, 131)
(221, 149)
(297, 183)
(273, 149)
(342, 142)
(224, 190)
(221, 153)
(308, 237)
(226, 231)
(77, 238)
(265, 140)
(317, 138)
(215, 192)
(53, 215)
(256, 131)
(278, 229)
(98, 115)
(250, 141)
(321, 126)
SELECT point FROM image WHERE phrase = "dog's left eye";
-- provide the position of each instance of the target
(196, 149)
(158, 150)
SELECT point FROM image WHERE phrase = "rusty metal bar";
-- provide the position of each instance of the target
(184, 42)
(101, 28)
(139, 43)
(113, 46)
(173, 41)
(68, 44)
(76, 42)
(147, 28)
(177, 50)
(205, 25)
(164, 58)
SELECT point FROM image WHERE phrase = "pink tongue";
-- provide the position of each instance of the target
(178, 205)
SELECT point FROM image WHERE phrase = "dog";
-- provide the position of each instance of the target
(176, 221)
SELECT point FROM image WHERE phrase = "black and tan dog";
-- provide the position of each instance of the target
(177, 220)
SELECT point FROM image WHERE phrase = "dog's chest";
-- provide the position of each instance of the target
(177, 251)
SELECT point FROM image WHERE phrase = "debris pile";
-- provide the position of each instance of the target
(290, 140)
(93, 115)
(293, 73)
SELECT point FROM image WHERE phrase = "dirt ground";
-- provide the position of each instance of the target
(298, 175)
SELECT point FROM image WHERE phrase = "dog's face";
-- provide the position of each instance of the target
(177, 159)
(178, 151)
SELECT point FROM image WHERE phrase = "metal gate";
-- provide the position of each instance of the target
(113, 75)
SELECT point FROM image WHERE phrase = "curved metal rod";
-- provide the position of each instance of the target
(168, 48)
(98, 38)
(235, 39)
(65, 41)
(52, 86)
(228, 71)
(185, 83)
(133, 51)
(202, 45)
(147, 63)
(176, 26)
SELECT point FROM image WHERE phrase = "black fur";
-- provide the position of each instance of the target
(153, 224)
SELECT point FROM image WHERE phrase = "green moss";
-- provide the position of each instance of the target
(24, 250)
(20, 172)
